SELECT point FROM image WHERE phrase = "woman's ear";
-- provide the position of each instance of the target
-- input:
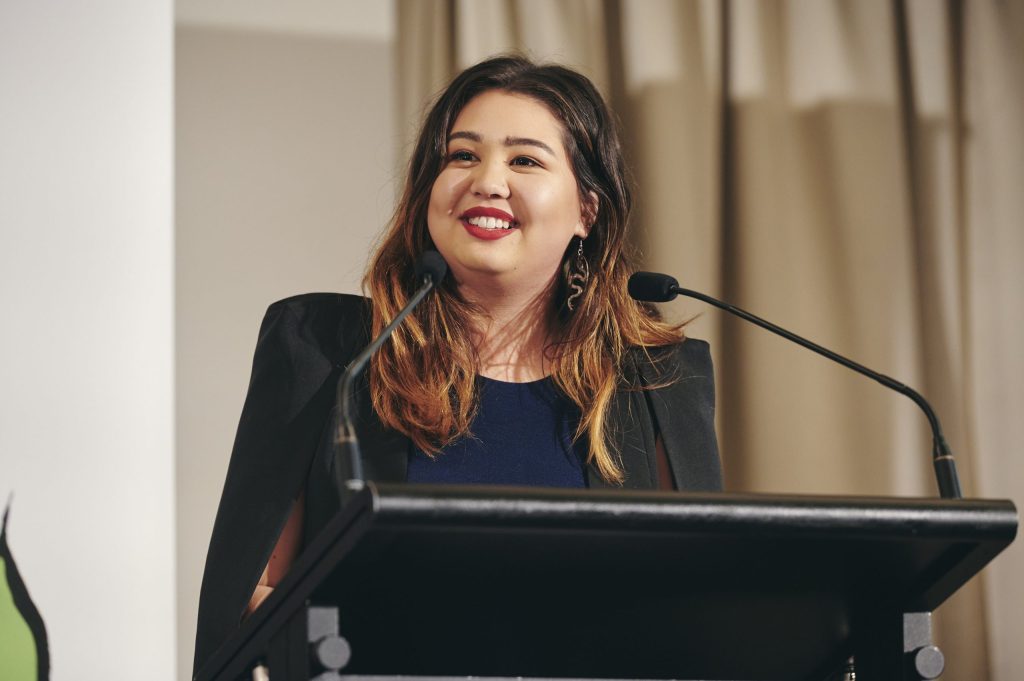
(588, 213)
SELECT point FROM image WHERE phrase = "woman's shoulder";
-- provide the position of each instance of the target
(694, 355)
(332, 326)
(689, 358)
(321, 302)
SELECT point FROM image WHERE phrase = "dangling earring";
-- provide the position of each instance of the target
(579, 275)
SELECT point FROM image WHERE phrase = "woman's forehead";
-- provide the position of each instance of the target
(501, 116)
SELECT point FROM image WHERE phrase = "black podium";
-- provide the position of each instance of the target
(435, 581)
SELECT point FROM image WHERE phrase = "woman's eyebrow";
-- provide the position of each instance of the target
(520, 141)
(465, 135)
(509, 141)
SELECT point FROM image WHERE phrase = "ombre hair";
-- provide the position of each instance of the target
(423, 382)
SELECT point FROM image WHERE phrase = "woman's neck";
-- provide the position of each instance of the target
(511, 339)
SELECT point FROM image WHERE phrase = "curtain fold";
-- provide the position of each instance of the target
(849, 170)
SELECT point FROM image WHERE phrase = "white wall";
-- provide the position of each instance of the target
(285, 166)
(86, 293)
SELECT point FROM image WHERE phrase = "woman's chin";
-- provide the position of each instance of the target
(488, 265)
(480, 276)
(503, 282)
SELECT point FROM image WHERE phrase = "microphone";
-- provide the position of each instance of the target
(430, 270)
(431, 264)
(652, 287)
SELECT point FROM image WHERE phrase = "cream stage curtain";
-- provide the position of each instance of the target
(853, 171)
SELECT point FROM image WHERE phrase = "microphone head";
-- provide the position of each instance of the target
(651, 287)
(431, 264)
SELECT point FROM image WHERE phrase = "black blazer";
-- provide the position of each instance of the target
(281, 446)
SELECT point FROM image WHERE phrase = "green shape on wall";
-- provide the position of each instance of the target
(17, 647)
(24, 653)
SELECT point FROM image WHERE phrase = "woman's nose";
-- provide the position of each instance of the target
(490, 181)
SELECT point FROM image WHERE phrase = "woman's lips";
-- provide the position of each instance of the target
(485, 222)
(487, 212)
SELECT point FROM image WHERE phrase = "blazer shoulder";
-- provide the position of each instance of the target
(352, 310)
(663, 366)
(323, 301)
(328, 326)
(693, 356)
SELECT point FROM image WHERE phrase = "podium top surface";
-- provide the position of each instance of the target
(791, 515)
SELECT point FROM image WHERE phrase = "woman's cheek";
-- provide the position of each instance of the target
(451, 183)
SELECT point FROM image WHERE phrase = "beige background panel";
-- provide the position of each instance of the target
(285, 156)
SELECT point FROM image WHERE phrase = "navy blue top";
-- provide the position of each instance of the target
(521, 435)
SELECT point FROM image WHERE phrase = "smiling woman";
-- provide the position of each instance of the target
(530, 366)
(506, 204)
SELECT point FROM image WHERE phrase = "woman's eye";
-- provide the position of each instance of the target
(524, 161)
(460, 156)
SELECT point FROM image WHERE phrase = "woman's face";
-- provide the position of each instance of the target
(506, 203)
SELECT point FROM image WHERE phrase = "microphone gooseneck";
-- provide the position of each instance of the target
(659, 288)
(430, 270)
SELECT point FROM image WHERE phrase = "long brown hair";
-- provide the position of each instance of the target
(423, 382)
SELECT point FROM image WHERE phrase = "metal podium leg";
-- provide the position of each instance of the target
(898, 648)
(308, 644)
(922, 659)
(328, 651)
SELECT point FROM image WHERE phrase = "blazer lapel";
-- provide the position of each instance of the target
(683, 410)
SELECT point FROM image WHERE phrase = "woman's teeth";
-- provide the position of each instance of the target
(489, 223)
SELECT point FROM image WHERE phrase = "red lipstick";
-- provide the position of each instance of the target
(487, 212)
